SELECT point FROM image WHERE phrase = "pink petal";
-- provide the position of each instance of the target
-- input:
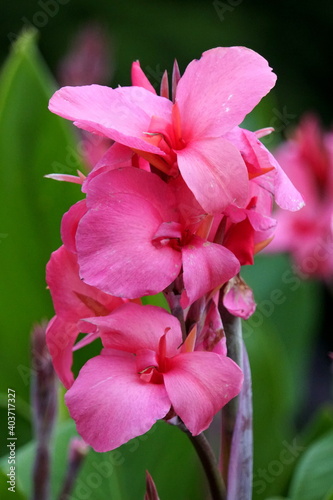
(122, 114)
(72, 298)
(209, 168)
(115, 244)
(70, 222)
(199, 384)
(138, 183)
(239, 239)
(206, 265)
(286, 195)
(219, 90)
(117, 156)
(238, 298)
(65, 177)
(133, 327)
(60, 338)
(275, 181)
(111, 404)
(139, 79)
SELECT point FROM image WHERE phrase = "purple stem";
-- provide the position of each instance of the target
(44, 404)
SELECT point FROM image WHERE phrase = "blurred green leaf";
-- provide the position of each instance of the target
(33, 142)
(277, 498)
(171, 460)
(279, 338)
(165, 451)
(320, 424)
(272, 428)
(329, 495)
(289, 309)
(314, 474)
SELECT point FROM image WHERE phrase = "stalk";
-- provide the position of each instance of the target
(209, 463)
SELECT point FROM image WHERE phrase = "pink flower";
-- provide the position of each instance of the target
(307, 157)
(144, 374)
(137, 236)
(212, 97)
(73, 300)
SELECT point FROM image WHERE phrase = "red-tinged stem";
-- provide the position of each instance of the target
(172, 295)
(209, 463)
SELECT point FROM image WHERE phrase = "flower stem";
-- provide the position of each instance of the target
(233, 331)
(44, 405)
(209, 463)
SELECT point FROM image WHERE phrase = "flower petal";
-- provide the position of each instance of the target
(238, 298)
(132, 327)
(116, 251)
(209, 168)
(60, 338)
(137, 182)
(220, 89)
(111, 405)
(275, 181)
(72, 298)
(206, 265)
(70, 222)
(199, 384)
(122, 114)
(139, 79)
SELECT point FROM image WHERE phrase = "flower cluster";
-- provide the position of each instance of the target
(180, 201)
(308, 235)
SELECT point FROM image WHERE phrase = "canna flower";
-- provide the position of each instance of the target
(137, 237)
(307, 158)
(188, 135)
(145, 373)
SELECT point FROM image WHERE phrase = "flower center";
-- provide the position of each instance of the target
(150, 364)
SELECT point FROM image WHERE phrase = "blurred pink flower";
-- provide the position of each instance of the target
(212, 97)
(307, 158)
(89, 58)
(144, 374)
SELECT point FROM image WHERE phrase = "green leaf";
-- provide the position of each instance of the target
(329, 495)
(33, 142)
(314, 474)
(156, 300)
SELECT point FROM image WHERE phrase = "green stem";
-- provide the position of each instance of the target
(209, 463)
